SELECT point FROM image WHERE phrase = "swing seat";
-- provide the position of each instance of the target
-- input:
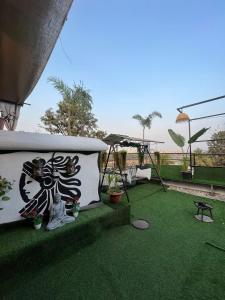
(144, 173)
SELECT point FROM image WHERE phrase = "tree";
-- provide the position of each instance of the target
(146, 122)
(74, 114)
(179, 140)
(201, 158)
(217, 146)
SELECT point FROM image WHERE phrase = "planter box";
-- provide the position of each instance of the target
(186, 175)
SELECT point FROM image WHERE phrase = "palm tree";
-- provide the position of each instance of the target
(146, 122)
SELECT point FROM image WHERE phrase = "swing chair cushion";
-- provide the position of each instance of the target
(144, 173)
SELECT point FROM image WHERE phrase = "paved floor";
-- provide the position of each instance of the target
(197, 189)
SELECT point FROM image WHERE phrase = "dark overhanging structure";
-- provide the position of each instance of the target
(118, 140)
(183, 117)
(29, 30)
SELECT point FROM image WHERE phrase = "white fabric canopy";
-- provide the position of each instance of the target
(28, 141)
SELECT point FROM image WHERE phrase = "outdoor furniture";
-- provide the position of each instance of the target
(203, 207)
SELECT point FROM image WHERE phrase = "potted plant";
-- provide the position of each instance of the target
(76, 206)
(158, 160)
(123, 159)
(116, 159)
(114, 189)
(141, 156)
(34, 216)
(5, 187)
(103, 158)
(179, 140)
(37, 221)
(76, 209)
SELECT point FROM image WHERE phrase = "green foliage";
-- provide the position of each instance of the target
(158, 160)
(197, 135)
(185, 163)
(123, 159)
(103, 158)
(141, 157)
(113, 180)
(74, 113)
(5, 187)
(120, 159)
(37, 220)
(146, 122)
(165, 159)
(202, 159)
(217, 147)
(178, 139)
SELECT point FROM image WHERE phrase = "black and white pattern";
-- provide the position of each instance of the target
(38, 193)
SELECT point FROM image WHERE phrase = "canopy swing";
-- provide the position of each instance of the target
(116, 140)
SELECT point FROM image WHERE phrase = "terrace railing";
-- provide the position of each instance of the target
(207, 168)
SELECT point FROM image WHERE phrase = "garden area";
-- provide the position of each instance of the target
(173, 259)
(111, 187)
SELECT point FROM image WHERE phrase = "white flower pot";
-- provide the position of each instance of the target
(76, 213)
(37, 226)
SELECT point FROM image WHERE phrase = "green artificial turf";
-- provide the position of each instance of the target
(171, 260)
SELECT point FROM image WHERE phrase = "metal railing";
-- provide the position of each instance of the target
(175, 158)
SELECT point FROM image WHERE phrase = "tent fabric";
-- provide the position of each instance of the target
(29, 141)
(28, 32)
(10, 112)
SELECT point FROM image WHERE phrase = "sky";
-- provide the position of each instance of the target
(138, 57)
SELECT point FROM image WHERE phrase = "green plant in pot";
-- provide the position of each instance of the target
(123, 159)
(158, 160)
(37, 221)
(141, 157)
(5, 187)
(114, 190)
(179, 140)
(116, 159)
(103, 159)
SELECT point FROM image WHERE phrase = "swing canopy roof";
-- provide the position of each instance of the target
(118, 139)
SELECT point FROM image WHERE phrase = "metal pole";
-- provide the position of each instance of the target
(201, 102)
(106, 165)
(121, 174)
(189, 133)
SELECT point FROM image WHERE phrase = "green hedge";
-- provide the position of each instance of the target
(209, 175)
(202, 175)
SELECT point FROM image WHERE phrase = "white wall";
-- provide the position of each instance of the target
(12, 167)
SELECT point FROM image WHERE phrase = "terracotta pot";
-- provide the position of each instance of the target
(2, 123)
(115, 197)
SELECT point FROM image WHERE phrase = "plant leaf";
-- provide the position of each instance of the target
(194, 137)
(177, 138)
(5, 198)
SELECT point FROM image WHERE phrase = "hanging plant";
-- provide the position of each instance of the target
(116, 159)
(103, 159)
(141, 156)
(158, 160)
(5, 187)
(123, 159)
